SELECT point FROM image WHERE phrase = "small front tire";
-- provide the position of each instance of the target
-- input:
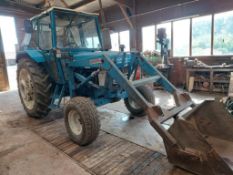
(82, 120)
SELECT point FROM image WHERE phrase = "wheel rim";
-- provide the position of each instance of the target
(133, 104)
(74, 122)
(26, 88)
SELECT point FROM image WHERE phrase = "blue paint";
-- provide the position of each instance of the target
(77, 71)
(35, 55)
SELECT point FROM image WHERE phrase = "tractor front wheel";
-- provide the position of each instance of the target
(34, 87)
(136, 109)
(81, 120)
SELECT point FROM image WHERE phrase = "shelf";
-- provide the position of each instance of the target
(209, 70)
(201, 70)
(222, 70)
(220, 90)
(222, 81)
(202, 81)
(201, 89)
(216, 77)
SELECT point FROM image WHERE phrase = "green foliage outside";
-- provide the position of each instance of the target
(201, 37)
(223, 35)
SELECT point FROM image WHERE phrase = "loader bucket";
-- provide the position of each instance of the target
(204, 140)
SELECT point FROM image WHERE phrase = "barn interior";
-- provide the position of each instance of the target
(187, 43)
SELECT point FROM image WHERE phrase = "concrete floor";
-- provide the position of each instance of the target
(23, 152)
(116, 120)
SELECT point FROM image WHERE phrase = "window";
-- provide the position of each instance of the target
(90, 34)
(115, 41)
(168, 28)
(148, 38)
(201, 36)
(120, 38)
(73, 32)
(124, 39)
(181, 38)
(45, 34)
(223, 33)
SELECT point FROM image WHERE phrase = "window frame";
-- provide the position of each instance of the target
(119, 39)
(171, 32)
(211, 36)
(155, 28)
(190, 43)
(119, 35)
(190, 39)
(37, 35)
(213, 42)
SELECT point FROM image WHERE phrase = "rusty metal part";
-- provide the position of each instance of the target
(200, 141)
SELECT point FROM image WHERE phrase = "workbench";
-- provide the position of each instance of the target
(209, 79)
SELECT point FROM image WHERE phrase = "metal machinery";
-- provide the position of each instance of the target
(63, 54)
(162, 40)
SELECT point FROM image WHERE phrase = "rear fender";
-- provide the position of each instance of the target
(35, 55)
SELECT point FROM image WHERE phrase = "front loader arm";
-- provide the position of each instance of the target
(155, 113)
(197, 142)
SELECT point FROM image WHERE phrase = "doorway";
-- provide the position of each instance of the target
(9, 38)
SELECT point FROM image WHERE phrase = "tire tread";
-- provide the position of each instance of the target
(42, 87)
(89, 115)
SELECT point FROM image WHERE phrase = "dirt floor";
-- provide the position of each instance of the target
(34, 147)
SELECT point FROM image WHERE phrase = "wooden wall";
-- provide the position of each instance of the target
(4, 84)
(150, 12)
(147, 12)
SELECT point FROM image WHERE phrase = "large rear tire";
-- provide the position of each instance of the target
(81, 120)
(34, 87)
(133, 107)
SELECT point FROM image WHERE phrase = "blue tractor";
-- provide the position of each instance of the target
(65, 54)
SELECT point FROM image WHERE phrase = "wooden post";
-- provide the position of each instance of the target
(4, 83)
(191, 38)
(212, 35)
(65, 3)
(133, 31)
(102, 14)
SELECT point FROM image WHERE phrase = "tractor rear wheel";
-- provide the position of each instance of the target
(133, 107)
(34, 87)
(81, 120)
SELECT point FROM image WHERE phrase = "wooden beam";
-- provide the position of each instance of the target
(81, 3)
(125, 3)
(26, 8)
(212, 36)
(65, 3)
(126, 15)
(41, 4)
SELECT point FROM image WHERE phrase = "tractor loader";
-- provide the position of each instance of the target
(65, 54)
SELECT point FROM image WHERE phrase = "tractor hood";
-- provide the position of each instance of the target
(97, 54)
(91, 59)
